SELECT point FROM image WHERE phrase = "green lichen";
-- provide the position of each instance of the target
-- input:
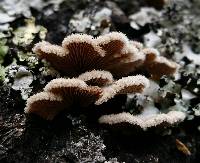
(3, 47)
(30, 58)
(2, 73)
(24, 35)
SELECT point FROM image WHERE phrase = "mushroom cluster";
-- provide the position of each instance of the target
(94, 71)
(62, 93)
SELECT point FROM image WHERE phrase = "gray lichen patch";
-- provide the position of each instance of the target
(20, 79)
(144, 16)
(93, 23)
(11, 10)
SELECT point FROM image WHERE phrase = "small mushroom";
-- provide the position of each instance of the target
(74, 91)
(130, 84)
(156, 65)
(60, 94)
(143, 122)
(112, 52)
(112, 43)
(122, 64)
(45, 104)
(80, 53)
(97, 77)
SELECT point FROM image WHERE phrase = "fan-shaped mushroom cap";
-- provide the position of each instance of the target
(120, 58)
(45, 49)
(82, 44)
(112, 52)
(126, 62)
(74, 91)
(54, 54)
(80, 53)
(157, 65)
(45, 104)
(112, 43)
(168, 119)
(130, 84)
(83, 51)
(97, 77)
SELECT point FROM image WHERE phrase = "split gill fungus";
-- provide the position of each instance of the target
(94, 71)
